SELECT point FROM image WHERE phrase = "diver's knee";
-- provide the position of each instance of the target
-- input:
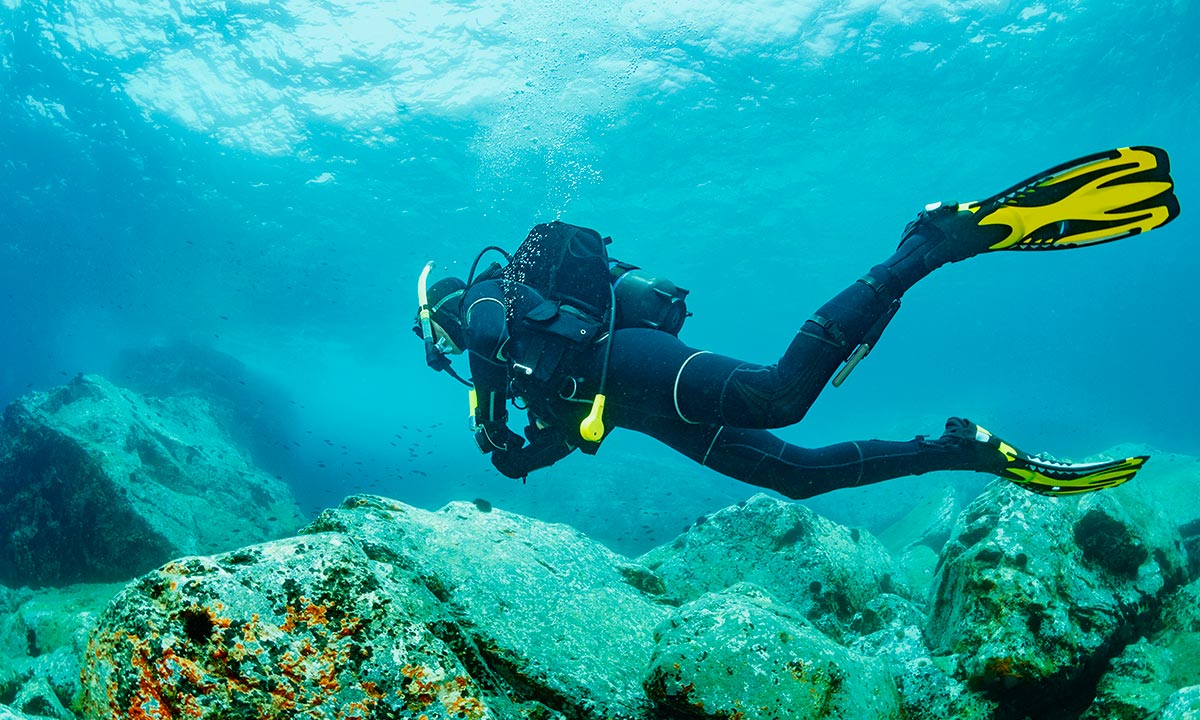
(765, 399)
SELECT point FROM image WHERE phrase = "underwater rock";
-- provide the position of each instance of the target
(1136, 685)
(928, 524)
(256, 410)
(42, 637)
(1142, 679)
(1168, 479)
(891, 629)
(1183, 705)
(916, 539)
(9, 713)
(280, 630)
(560, 618)
(1032, 593)
(38, 699)
(98, 484)
(739, 653)
(826, 572)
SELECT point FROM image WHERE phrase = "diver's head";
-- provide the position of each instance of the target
(445, 309)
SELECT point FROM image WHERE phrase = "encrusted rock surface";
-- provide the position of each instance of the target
(384, 608)
(280, 630)
(559, 617)
(739, 653)
(98, 484)
(1032, 592)
(824, 571)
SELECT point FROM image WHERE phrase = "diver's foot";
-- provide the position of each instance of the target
(941, 234)
(1038, 475)
(946, 233)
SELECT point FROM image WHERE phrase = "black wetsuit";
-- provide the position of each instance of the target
(712, 408)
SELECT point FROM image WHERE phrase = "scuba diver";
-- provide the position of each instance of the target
(584, 343)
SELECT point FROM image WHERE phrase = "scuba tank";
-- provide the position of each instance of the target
(646, 301)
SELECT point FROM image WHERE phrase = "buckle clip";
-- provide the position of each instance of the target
(867, 345)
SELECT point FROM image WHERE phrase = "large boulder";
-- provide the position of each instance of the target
(389, 611)
(308, 626)
(98, 484)
(256, 410)
(563, 620)
(1033, 593)
(739, 653)
(824, 571)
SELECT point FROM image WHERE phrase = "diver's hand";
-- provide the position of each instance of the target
(511, 464)
(546, 447)
(497, 438)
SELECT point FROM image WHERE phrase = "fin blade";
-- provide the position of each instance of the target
(1098, 198)
(1075, 479)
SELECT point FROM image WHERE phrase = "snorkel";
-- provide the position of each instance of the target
(433, 357)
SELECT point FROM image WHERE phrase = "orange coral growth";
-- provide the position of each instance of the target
(207, 662)
(1001, 667)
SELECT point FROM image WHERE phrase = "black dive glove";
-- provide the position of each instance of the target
(496, 437)
(546, 447)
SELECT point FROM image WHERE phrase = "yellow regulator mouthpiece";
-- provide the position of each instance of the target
(592, 427)
(473, 401)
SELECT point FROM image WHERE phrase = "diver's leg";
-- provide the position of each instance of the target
(659, 374)
(760, 458)
(724, 391)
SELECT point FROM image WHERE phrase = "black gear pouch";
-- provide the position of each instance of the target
(553, 333)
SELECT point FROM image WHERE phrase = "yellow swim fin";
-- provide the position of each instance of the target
(1094, 199)
(1041, 475)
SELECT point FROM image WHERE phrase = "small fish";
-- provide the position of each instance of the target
(482, 505)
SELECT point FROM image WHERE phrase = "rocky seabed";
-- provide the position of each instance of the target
(1013, 606)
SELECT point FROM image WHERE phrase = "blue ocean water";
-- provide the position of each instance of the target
(266, 179)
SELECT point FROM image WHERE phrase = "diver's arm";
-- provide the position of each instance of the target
(486, 336)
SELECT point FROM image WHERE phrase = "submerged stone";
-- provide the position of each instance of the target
(740, 653)
(303, 627)
(98, 484)
(1032, 594)
(560, 618)
(825, 571)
